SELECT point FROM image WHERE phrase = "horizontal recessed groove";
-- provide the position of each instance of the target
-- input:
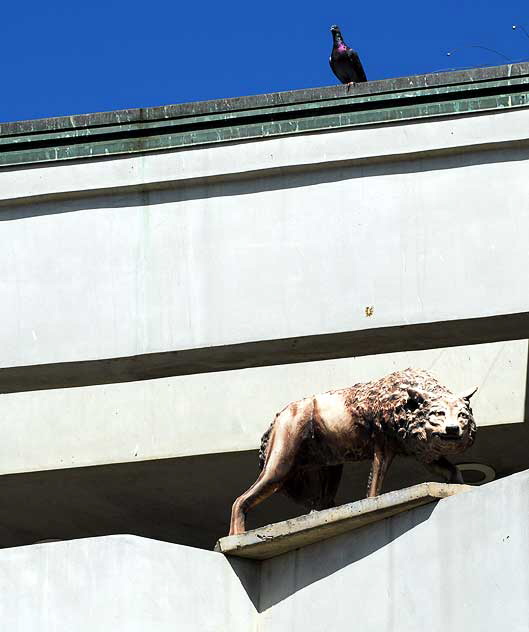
(266, 353)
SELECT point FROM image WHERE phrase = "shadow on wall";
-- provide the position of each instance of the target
(308, 348)
(187, 500)
(310, 564)
(526, 397)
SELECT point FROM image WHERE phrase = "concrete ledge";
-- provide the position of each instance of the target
(275, 539)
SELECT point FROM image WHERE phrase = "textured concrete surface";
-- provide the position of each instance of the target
(282, 537)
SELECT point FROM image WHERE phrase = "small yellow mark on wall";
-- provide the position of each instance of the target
(370, 310)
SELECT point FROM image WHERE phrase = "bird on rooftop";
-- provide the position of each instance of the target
(344, 61)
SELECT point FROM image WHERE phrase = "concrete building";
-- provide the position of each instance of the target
(171, 277)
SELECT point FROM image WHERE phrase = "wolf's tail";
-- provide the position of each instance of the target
(263, 451)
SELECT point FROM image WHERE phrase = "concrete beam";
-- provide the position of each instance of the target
(263, 158)
(228, 411)
(226, 275)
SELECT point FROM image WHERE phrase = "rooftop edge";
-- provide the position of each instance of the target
(154, 113)
(174, 127)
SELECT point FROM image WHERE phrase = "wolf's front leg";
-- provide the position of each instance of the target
(382, 458)
(449, 471)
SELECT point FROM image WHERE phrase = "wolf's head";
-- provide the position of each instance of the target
(439, 424)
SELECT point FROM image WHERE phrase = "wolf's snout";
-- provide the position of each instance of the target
(452, 431)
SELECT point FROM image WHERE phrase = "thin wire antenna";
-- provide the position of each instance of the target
(520, 26)
(491, 50)
(514, 61)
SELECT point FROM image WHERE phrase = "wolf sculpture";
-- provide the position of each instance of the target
(407, 412)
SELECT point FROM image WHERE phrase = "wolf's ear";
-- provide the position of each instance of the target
(468, 394)
(416, 396)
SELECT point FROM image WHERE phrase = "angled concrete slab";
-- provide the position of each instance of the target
(122, 583)
(275, 539)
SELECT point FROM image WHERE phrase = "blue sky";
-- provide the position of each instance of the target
(66, 58)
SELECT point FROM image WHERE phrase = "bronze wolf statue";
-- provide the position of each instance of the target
(407, 412)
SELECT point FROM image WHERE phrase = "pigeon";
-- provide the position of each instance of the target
(344, 61)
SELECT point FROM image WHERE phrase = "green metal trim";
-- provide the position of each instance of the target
(363, 106)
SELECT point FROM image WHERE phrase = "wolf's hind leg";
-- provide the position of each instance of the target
(282, 451)
(330, 477)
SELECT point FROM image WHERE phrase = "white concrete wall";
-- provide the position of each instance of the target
(227, 411)
(263, 258)
(123, 584)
